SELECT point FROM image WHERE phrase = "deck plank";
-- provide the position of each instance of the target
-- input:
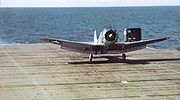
(46, 72)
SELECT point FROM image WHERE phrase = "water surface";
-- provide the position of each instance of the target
(28, 25)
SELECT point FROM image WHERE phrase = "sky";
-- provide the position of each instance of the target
(87, 3)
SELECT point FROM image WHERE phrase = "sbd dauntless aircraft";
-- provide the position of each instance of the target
(107, 43)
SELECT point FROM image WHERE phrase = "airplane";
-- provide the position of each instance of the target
(107, 43)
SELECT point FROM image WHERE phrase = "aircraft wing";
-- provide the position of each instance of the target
(132, 46)
(145, 42)
(82, 47)
(122, 47)
(88, 47)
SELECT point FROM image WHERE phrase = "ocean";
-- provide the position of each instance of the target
(28, 25)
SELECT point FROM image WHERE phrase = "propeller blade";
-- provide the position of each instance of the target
(95, 37)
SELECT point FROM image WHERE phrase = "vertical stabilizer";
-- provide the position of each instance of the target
(95, 37)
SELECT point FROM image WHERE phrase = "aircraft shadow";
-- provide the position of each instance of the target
(117, 59)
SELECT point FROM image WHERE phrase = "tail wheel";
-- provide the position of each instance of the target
(124, 57)
(90, 57)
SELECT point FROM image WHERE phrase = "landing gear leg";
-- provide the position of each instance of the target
(124, 56)
(90, 57)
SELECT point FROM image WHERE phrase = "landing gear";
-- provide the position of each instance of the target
(124, 56)
(90, 57)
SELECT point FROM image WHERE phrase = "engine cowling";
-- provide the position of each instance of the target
(107, 37)
(110, 35)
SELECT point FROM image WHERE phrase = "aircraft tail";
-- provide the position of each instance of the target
(95, 37)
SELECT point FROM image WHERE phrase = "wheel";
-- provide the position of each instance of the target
(124, 57)
(90, 57)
